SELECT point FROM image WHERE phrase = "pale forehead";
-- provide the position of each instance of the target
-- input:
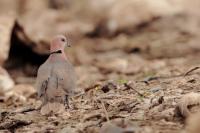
(59, 36)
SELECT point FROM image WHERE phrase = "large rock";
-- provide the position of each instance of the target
(6, 25)
(48, 22)
(8, 7)
(125, 15)
(39, 20)
(6, 83)
(111, 15)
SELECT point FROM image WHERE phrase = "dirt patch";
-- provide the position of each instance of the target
(130, 79)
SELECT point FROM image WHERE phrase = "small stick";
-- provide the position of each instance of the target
(147, 80)
(130, 87)
(105, 111)
(28, 110)
(191, 70)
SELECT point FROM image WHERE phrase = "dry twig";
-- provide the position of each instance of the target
(105, 111)
(191, 70)
(130, 87)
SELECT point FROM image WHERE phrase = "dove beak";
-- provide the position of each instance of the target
(68, 44)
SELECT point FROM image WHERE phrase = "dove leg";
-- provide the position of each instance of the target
(66, 101)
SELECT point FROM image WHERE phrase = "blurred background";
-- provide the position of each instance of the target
(112, 39)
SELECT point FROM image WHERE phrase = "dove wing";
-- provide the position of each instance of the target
(43, 75)
(66, 77)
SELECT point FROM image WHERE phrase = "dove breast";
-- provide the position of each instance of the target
(65, 74)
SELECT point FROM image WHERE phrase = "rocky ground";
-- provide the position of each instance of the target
(132, 60)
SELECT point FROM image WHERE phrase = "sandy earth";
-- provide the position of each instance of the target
(129, 82)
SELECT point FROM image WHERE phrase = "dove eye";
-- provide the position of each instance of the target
(62, 39)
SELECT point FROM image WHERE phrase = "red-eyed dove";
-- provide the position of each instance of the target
(56, 77)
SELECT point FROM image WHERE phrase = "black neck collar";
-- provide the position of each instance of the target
(56, 52)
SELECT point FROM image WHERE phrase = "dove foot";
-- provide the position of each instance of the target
(66, 102)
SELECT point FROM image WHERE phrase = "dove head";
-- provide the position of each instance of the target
(58, 43)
